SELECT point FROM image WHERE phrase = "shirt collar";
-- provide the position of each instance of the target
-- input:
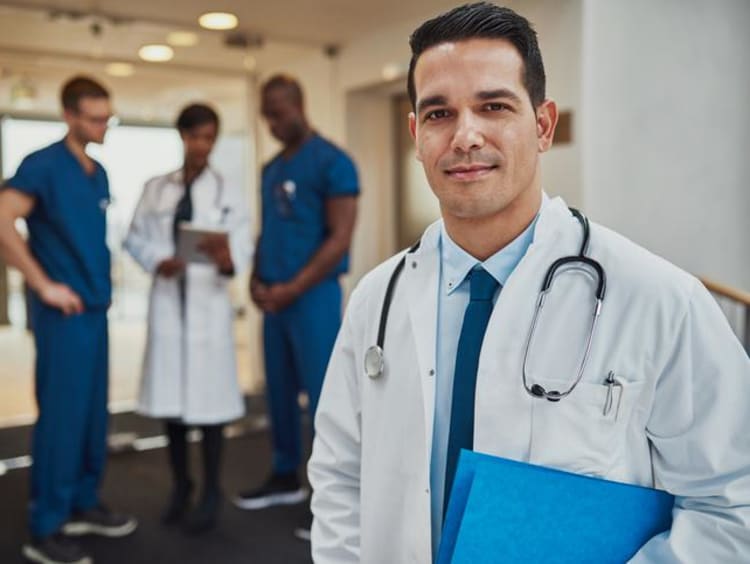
(456, 262)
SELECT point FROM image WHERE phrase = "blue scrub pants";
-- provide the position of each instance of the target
(298, 342)
(70, 436)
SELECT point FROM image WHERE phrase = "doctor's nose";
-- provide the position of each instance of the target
(468, 136)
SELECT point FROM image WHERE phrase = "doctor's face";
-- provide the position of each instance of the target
(476, 133)
(89, 122)
(285, 117)
(199, 142)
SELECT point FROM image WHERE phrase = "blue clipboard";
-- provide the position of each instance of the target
(507, 511)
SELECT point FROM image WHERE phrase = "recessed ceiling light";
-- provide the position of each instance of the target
(156, 53)
(218, 20)
(119, 69)
(182, 38)
(392, 71)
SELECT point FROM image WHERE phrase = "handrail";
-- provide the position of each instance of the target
(723, 290)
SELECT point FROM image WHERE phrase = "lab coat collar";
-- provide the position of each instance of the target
(177, 176)
(551, 220)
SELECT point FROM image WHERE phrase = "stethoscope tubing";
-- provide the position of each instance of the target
(218, 197)
(374, 356)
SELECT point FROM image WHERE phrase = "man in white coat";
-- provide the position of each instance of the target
(385, 447)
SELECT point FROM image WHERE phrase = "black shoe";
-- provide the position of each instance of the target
(279, 489)
(302, 531)
(55, 549)
(179, 503)
(100, 521)
(205, 516)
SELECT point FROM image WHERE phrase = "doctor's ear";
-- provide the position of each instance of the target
(546, 121)
(413, 133)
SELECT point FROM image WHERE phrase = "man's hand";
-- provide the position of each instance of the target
(273, 298)
(61, 297)
(170, 267)
(258, 291)
(217, 248)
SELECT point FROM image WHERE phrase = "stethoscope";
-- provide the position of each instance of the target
(374, 361)
(221, 211)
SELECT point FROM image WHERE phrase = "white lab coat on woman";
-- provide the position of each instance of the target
(681, 424)
(189, 368)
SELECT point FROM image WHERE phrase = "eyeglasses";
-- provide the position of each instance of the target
(108, 120)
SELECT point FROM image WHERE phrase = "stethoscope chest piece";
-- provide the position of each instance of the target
(374, 362)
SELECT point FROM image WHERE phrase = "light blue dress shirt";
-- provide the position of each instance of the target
(453, 297)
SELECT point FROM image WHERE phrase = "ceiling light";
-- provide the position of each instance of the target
(392, 71)
(250, 63)
(182, 39)
(156, 53)
(218, 20)
(23, 94)
(119, 69)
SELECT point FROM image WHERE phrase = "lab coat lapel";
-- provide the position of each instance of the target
(203, 194)
(421, 276)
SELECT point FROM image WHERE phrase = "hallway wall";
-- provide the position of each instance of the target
(667, 129)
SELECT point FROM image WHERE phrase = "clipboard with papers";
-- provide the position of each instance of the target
(189, 239)
(506, 511)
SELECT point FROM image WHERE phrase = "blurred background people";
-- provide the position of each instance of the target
(189, 370)
(63, 194)
(309, 199)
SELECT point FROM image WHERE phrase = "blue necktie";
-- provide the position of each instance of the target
(483, 287)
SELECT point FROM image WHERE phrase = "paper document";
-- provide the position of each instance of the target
(506, 511)
(189, 238)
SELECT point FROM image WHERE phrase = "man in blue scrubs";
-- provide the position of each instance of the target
(63, 195)
(309, 193)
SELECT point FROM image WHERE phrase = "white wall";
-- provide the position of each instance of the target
(559, 25)
(667, 129)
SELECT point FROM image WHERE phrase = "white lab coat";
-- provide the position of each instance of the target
(189, 368)
(682, 422)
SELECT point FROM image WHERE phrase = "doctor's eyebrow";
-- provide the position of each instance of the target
(431, 101)
(482, 95)
(485, 95)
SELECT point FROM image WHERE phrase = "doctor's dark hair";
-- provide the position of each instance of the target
(196, 115)
(482, 20)
(79, 87)
(287, 83)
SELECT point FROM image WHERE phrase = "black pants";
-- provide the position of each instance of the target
(213, 441)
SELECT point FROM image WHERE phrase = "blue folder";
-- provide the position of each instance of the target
(506, 511)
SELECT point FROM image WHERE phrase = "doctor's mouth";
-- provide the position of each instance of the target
(470, 173)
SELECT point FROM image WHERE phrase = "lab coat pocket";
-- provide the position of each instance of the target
(586, 431)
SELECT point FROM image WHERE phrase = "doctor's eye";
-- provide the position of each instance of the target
(496, 107)
(436, 115)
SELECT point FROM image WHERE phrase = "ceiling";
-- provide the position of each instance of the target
(312, 22)
(42, 42)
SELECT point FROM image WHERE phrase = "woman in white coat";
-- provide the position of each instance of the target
(189, 369)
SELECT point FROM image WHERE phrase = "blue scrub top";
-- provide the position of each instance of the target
(294, 191)
(68, 225)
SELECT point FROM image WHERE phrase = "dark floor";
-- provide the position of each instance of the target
(138, 482)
